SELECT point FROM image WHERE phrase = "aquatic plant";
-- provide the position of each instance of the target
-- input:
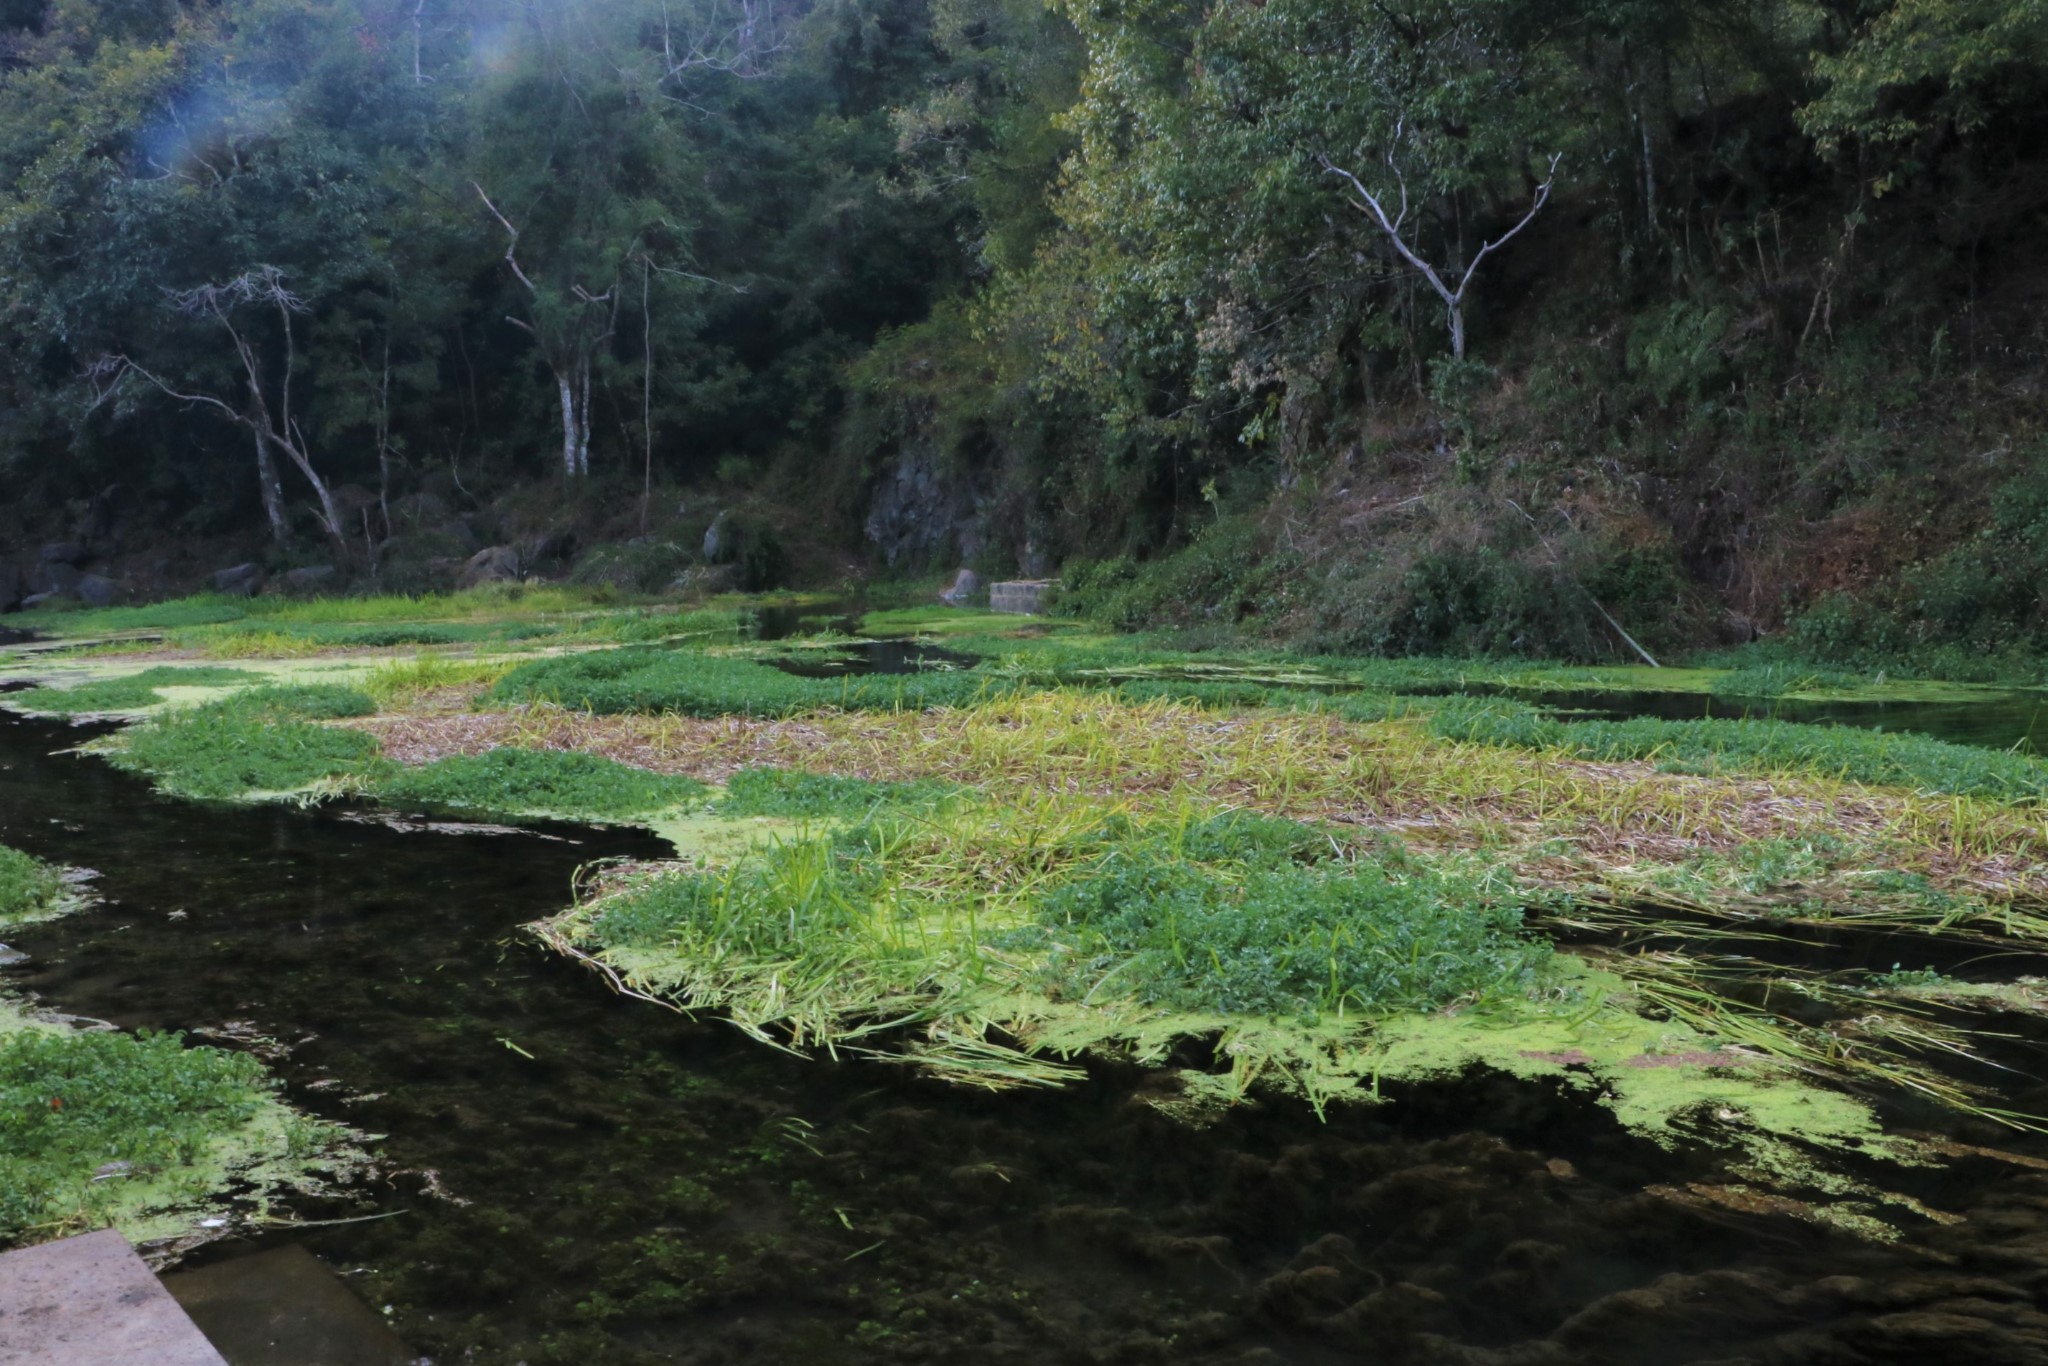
(130, 693)
(795, 793)
(238, 747)
(1705, 746)
(140, 1131)
(29, 887)
(402, 681)
(539, 782)
(695, 683)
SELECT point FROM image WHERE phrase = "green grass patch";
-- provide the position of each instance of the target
(694, 683)
(955, 919)
(242, 746)
(30, 889)
(792, 793)
(513, 781)
(1851, 754)
(132, 693)
(404, 680)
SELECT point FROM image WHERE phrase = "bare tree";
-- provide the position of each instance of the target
(1391, 226)
(274, 427)
(731, 36)
(568, 344)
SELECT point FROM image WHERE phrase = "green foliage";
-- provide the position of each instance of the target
(1852, 754)
(29, 887)
(693, 683)
(237, 747)
(132, 693)
(515, 781)
(1264, 936)
(308, 701)
(72, 1102)
(794, 793)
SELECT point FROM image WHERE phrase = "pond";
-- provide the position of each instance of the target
(577, 1177)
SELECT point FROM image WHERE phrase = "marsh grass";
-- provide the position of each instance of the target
(793, 793)
(30, 889)
(132, 693)
(538, 782)
(71, 1102)
(242, 745)
(935, 919)
(1841, 753)
(404, 681)
(694, 683)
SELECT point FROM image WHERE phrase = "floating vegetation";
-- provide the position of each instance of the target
(527, 782)
(817, 796)
(697, 683)
(243, 747)
(30, 889)
(100, 1127)
(130, 692)
(1841, 752)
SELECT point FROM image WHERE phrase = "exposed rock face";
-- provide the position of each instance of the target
(57, 577)
(239, 581)
(494, 564)
(918, 512)
(309, 579)
(95, 590)
(11, 588)
(1022, 596)
(63, 552)
(965, 585)
(551, 546)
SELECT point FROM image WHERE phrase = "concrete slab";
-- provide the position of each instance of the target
(285, 1308)
(1023, 597)
(90, 1301)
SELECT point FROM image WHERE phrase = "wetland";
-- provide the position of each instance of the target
(1095, 1001)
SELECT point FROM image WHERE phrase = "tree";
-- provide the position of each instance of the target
(273, 425)
(1391, 227)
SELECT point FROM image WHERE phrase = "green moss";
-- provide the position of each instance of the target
(529, 782)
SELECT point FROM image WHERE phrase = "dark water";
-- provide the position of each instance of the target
(773, 622)
(645, 1189)
(871, 657)
(2005, 721)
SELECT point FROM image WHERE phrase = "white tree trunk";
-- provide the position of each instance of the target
(569, 442)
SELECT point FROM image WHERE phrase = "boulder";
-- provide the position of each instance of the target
(308, 579)
(965, 585)
(494, 564)
(35, 600)
(57, 576)
(551, 546)
(239, 581)
(95, 590)
(421, 507)
(63, 552)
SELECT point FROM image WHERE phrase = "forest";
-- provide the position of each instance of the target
(1473, 326)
